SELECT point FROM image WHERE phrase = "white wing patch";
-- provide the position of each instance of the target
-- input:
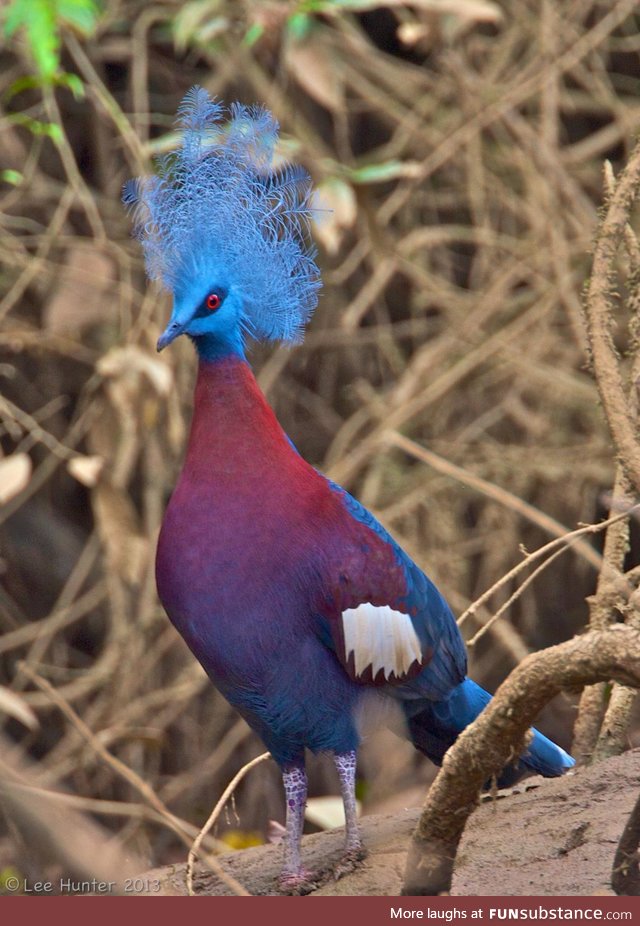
(381, 638)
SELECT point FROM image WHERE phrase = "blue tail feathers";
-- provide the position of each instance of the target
(435, 725)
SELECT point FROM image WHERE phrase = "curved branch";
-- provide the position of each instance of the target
(498, 737)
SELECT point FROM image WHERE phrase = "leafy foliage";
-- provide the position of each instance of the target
(42, 20)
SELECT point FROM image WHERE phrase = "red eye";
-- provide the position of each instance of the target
(213, 302)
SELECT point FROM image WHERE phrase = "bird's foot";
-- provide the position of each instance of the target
(350, 861)
(297, 882)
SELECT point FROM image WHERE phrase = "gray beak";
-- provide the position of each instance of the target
(170, 333)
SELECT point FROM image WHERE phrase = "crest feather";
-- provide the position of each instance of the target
(217, 202)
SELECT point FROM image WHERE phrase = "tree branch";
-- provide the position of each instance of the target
(498, 737)
(625, 876)
(599, 314)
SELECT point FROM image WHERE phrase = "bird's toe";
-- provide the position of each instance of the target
(349, 862)
(297, 882)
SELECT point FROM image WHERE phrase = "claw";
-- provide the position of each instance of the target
(300, 882)
(349, 862)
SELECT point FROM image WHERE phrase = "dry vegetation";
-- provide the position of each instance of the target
(444, 379)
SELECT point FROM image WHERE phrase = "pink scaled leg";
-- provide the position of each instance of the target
(354, 851)
(294, 878)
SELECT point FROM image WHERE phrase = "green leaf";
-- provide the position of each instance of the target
(334, 6)
(26, 82)
(298, 26)
(42, 20)
(380, 173)
(43, 37)
(14, 177)
(253, 34)
(13, 19)
(36, 127)
(35, 82)
(198, 24)
(81, 14)
(37, 19)
(53, 130)
(314, 6)
(73, 82)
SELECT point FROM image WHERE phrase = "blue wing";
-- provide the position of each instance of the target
(394, 627)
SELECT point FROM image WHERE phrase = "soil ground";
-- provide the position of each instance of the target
(548, 837)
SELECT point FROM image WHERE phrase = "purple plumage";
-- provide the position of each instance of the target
(304, 612)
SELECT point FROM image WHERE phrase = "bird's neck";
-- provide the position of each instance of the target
(233, 428)
(220, 346)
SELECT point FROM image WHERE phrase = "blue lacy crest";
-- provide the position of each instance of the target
(217, 202)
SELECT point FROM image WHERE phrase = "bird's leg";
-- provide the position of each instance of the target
(293, 877)
(354, 852)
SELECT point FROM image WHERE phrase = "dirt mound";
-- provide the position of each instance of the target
(546, 838)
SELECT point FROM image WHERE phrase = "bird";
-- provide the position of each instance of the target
(303, 610)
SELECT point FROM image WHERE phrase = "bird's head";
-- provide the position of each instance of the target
(225, 232)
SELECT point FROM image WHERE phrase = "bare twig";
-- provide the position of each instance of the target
(549, 548)
(215, 813)
(60, 835)
(498, 494)
(116, 764)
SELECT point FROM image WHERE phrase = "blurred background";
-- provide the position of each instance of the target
(457, 149)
